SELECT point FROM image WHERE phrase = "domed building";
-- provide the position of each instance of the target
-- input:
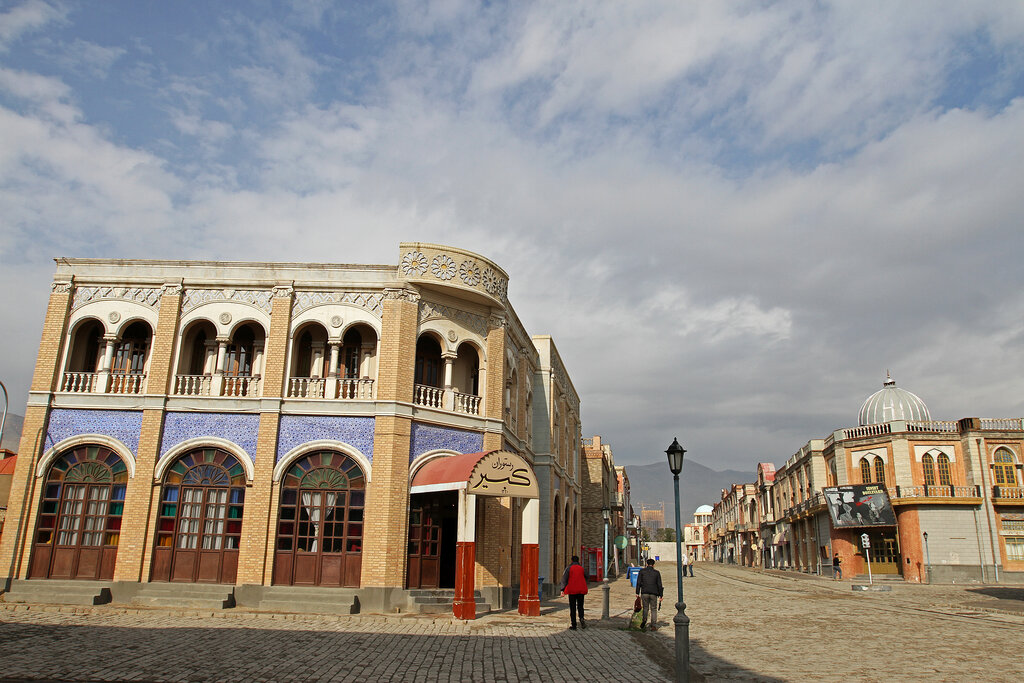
(892, 403)
(928, 500)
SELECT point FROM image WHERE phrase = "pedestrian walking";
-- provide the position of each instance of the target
(649, 588)
(574, 584)
(686, 563)
(837, 571)
(690, 565)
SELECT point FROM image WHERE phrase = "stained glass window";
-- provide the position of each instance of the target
(322, 498)
(83, 499)
(202, 502)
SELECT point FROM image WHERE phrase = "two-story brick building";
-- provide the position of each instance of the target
(365, 430)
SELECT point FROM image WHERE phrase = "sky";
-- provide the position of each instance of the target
(733, 217)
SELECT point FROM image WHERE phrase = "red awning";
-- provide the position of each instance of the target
(7, 465)
(453, 470)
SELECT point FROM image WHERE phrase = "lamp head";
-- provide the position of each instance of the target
(675, 455)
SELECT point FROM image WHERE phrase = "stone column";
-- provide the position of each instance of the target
(16, 542)
(464, 604)
(331, 388)
(102, 384)
(529, 572)
(217, 384)
(448, 403)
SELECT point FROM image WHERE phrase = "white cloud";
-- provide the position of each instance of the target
(25, 18)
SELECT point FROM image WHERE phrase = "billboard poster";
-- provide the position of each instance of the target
(859, 505)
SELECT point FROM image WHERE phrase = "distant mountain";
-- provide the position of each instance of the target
(12, 432)
(698, 485)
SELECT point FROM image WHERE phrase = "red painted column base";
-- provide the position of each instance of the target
(529, 570)
(464, 605)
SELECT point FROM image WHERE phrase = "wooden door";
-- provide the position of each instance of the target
(885, 554)
(424, 543)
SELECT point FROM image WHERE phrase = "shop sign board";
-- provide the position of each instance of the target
(503, 473)
(859, 505)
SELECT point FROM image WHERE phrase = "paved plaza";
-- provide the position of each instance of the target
(746, 625)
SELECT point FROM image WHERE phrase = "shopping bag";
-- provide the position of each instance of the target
(638, 605)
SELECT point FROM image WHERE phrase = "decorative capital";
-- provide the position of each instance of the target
(61, 287)
(402, 295)
(496, 322)
(171, 289)
(284, 291)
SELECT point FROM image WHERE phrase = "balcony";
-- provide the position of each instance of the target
(1008, 494)
(103, 383)
(945, 491)
(349, 389)
(453, 400)
(205, 385)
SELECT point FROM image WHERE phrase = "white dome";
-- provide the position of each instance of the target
(704, 510)
(892, 403)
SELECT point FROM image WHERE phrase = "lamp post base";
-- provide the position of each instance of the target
(682, 624)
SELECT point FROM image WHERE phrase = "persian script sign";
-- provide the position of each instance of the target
(502, 473)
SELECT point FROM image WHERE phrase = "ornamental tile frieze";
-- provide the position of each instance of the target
(370, 301)
(470, 321)
(147, 296)
(239, 429)
(260, 298)
(451, 266)
(295, 430)
(123, 425)
(425, 438)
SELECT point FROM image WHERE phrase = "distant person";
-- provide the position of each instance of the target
(837, 571)
(686, 563)
(649, 588)
(690, 565)
(574, 584)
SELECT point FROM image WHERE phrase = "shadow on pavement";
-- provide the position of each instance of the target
(1001, 593)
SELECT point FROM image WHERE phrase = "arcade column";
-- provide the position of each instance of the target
(464, 605)
(529, 601)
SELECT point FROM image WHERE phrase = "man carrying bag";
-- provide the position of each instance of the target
(649, 588)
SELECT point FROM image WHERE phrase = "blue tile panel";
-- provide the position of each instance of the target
(240, 429)
(431, 437)
(123, 425)
(296, 430)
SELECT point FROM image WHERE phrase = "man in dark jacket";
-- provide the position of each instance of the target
(649, 588)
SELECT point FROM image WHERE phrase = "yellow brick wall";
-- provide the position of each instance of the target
(134, 552)
(495, 400)
(259, 521)
(21, 506)
(385, 529)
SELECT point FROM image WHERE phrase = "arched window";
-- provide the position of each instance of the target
(428, 362)
(944, 477)
(200, 522)
(865, 471)
(879, 470)
(79, 523)
(928, 467)
(320, 523)
(1004, 468)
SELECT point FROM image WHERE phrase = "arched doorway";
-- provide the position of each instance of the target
(320, 522)
(79, 522)
(200, 520)
(432, 531)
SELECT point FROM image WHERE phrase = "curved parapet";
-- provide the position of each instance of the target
(436, 265)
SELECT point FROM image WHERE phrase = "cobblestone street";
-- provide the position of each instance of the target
(746, 625)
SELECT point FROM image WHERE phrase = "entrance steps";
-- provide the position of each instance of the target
(190, 595)
(58, 592)
(440, 600)
(309, 600)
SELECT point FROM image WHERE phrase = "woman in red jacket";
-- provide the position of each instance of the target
(574, 584)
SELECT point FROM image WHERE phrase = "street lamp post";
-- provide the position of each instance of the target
(675, 455)
(927, 559)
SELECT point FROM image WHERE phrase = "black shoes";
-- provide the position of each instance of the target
(583, 623)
